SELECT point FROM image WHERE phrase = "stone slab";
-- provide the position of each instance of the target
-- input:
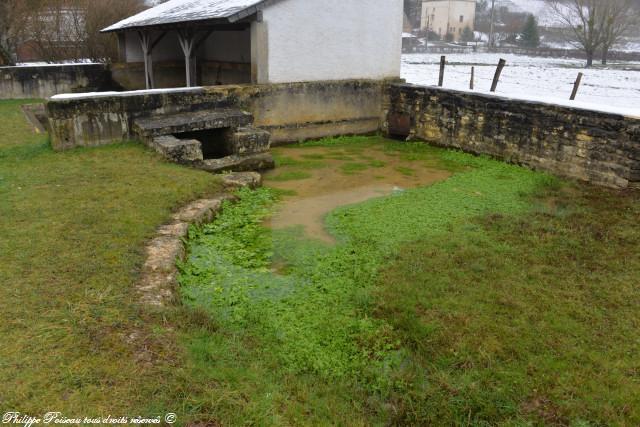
(200, 211)
(162, 253)
(175, 229)
(157, 288)
(238, 180)
(183, 151)
(171, 124)
(254, 162)
(248, 140)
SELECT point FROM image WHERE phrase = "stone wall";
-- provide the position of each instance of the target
(48, 80)
(597, 147)
(291, 112)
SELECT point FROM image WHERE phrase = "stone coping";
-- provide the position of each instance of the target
(159, 278)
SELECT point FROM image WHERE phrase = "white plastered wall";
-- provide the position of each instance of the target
(328, 40)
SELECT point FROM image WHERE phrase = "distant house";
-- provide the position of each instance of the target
(52, 34)
(409, 43)
(448, 17)
(209, 42)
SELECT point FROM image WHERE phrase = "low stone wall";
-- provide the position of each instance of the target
(291, 112)
(48, 80)
(159, 277)
(597, 147)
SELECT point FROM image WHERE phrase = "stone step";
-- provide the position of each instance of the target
(248, 140)
(171, 124)
(183, 151)
(235, 163)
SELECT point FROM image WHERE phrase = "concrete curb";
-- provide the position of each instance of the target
(159, 278)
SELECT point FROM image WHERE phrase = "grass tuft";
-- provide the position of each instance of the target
(353, 168)
(290, 175)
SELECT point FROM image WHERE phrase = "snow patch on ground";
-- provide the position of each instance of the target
(615, 89)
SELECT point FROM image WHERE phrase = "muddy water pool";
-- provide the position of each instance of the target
(315, 180)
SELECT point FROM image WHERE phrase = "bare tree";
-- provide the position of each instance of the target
(5, 43)
(619, 17)
(70, 29)
(492, 40)
(584, 20)
(56, 30)
(412, 8)
(99, 15)
(13, 18)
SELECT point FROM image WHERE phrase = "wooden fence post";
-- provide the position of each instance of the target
(496, 77)
(443, 60)
(576, 85)
(473, 69)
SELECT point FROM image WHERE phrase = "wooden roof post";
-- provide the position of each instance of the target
(145, 42)
(187, 42)
(147, 50)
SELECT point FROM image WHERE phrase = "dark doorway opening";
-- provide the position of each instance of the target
(399, 126)
(214, 145)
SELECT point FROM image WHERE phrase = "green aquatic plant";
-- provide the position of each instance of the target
(377, 163)
(312, 316)
(282, 161)
(353, 168)
(406, 171)
(313, 156)
(290, 175)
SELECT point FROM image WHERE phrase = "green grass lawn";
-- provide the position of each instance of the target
(523, 319)
(72, 229)
(500, 296)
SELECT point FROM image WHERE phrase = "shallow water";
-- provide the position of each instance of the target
(330, 177)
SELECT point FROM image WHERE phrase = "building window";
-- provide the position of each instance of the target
(460, 30)
(461, 18)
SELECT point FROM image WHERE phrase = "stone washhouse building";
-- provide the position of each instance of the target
(223, 80)
(214, 42)
(309, 69)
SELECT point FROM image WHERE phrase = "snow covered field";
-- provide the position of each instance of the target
(615, 88)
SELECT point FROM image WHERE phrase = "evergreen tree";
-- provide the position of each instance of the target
(467, 35)
(530, 36)
(413, 10)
